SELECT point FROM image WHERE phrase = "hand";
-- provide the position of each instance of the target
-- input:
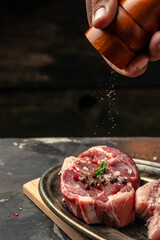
(100, 14)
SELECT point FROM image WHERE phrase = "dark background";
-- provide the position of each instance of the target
(53, 83)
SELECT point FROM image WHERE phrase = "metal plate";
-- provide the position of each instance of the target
(49, 188)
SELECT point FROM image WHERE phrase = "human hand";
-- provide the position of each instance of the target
(100, 14)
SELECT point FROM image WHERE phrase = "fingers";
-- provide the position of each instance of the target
(136, 67)
(101, 12)
(139, 64)
(154, 47)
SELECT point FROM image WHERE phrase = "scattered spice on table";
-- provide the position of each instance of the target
(16, 214)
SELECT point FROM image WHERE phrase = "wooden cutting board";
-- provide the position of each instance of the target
(30, 189)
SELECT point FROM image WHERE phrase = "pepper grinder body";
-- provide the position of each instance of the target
(129, 33)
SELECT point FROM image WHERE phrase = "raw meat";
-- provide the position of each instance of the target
(147, 207)
(107, 198)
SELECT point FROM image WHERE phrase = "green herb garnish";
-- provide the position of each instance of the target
(102, 168)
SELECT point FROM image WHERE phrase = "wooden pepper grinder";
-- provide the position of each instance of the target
(129, 33)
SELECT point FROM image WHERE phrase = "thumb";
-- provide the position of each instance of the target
(103, 12)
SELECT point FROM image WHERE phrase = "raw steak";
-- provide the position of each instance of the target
(107, 198)
(148, 207)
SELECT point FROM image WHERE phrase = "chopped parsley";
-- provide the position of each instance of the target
(102, 168)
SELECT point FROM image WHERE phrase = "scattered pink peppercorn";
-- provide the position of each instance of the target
(16, 214)
(75, 177)
(99, 186)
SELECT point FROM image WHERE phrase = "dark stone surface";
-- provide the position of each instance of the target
(23, 160)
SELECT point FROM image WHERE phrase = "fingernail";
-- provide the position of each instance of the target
(141, 65)
(99, 13)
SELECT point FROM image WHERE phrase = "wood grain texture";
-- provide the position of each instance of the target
(110, 46)
(30, 189)
(129, 31)
(145, 12)
(80, 113)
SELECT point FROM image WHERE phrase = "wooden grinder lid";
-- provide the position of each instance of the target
(110, 46)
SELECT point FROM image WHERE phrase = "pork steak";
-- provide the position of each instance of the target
(147, 206)
(99, 186)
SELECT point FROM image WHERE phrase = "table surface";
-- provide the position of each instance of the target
(22, 160)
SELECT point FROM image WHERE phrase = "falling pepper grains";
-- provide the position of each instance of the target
(16, 214)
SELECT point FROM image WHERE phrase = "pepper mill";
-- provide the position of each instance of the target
(129, 33)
